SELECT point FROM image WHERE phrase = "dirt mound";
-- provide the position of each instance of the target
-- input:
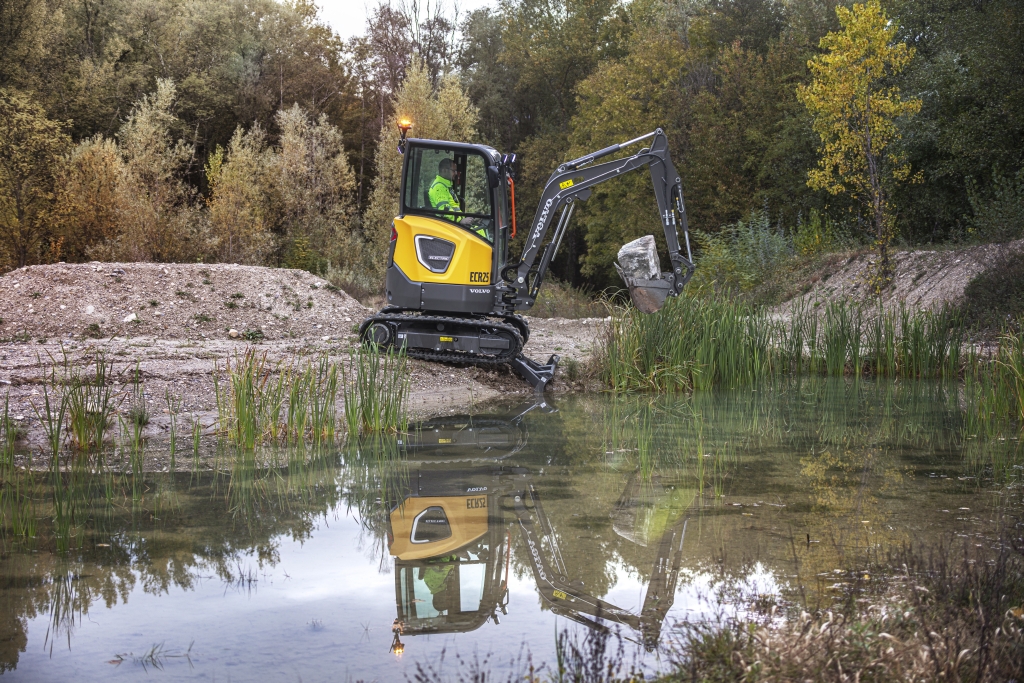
(172, 301)
(922, 279)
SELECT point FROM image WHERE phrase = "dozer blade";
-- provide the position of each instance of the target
(647, 295)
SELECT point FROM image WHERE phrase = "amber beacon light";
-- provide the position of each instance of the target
(403, 125)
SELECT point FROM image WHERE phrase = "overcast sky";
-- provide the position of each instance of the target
(348, 17)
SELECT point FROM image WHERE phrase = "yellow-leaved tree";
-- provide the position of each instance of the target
(856, 105)
(444, 114)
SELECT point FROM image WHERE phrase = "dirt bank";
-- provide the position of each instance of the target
(923, 279)
(175, 322)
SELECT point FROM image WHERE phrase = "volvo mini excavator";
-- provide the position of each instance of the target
(453, 289)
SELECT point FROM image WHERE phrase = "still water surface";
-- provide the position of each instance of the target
(482, 536)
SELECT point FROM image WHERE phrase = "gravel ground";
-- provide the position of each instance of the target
(177, 322)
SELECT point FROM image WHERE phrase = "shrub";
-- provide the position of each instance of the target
(999, 217)
(560, 300)
(995, 296)
(744, 254)
(817, 235)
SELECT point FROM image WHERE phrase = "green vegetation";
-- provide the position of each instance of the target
(284, 402)
(560, 300)
(376, 389)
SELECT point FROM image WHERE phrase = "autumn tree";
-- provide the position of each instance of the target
(31, 149)
(240, 215)
(856, 108)
(157, 211)
(86, 212)
(315, 188)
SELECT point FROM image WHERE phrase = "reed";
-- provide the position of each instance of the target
(376, 386)
(323, 394)
(197, 437)
(700, 343)
(173, 406)
(90, 404)
(256, 410)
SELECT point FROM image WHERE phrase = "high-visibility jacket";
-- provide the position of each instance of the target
(443, 198)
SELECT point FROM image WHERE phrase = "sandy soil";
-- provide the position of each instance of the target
(178, 322)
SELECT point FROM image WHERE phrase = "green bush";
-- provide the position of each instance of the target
(744, 254)
(560, 300)
(994, 298)
(999, 217)
(817, 235)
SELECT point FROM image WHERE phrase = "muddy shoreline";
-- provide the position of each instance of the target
(183, 370)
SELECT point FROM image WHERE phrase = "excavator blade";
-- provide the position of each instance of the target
(647, 295)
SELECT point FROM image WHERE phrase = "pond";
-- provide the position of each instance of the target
(481, 537)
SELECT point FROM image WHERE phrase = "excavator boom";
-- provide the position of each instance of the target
(573, 181)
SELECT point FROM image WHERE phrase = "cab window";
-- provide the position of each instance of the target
(450, 185)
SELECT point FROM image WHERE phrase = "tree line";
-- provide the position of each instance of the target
(248, 131)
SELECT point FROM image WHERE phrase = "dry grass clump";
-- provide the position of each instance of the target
(560, 300)
(938, 619)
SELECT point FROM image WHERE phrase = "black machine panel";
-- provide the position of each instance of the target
(434, 253)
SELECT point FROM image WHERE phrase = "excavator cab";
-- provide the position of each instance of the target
(451, 235)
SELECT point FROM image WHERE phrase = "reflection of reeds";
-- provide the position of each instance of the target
(376, 385)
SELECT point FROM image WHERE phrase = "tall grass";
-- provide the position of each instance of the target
(299, 403)
(701, 343)
(90, 403)
(376, 388)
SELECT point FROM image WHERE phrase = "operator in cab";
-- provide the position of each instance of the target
(442, 197)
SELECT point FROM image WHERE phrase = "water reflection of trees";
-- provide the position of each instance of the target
(184, 527)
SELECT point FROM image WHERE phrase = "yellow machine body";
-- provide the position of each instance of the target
(470, 264)
(466, 518)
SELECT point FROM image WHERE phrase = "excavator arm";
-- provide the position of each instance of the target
(568, 598)
(574, 181)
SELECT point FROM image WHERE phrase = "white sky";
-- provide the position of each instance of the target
(348, 17)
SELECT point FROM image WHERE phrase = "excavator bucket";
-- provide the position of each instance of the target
(639, 268)
(648, 295)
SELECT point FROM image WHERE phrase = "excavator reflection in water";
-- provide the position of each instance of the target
(451, 528)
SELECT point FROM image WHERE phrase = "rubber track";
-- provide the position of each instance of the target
(452, 356)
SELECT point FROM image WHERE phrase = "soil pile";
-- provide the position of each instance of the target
(172, 301)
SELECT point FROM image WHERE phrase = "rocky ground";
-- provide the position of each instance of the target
(178, 323)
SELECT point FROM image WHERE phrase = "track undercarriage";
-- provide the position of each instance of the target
(464, 340)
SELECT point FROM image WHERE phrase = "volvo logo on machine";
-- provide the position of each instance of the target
(474, 290)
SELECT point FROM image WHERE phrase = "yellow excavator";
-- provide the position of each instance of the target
(451, 525)
(453, 289)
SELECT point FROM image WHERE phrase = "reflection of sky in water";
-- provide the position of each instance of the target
(324, 612)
